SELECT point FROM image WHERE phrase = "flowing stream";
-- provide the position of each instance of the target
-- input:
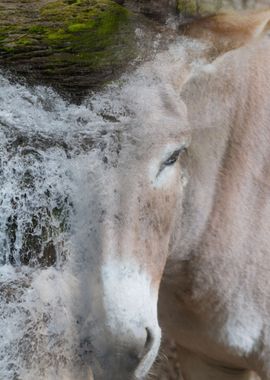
(43, 144)
(46, 150)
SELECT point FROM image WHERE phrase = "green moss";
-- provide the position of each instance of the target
(187, 7)
(39, 29)
(72, 1)
(74, 28)
(24, 41)
(57, 36)
(198, 7)
(83, 29)
(101, 19)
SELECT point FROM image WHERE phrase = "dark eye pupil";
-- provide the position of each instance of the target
(171, 160)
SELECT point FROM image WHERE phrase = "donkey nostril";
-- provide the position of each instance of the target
(149, 341)
(137, 354)
(134, 357)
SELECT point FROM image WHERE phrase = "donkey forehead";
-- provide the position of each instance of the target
(163, 121)
(157, 106)
(125, 150)
(155, 120)
(159, 126)
(132, 148)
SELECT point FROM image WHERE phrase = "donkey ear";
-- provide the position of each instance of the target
(230, 30)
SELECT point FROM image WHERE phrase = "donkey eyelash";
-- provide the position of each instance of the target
(174, 156)
(172, 159)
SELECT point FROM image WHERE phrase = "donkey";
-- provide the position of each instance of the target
(214, 294)
(183, 228)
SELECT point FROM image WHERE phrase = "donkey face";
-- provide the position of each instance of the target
(136, 198)
(137, 204)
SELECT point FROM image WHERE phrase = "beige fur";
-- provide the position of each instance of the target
(215, 294)
(229, 30)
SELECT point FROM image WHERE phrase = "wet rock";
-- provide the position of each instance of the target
(158, 10)
(189, 8)
(79, 45)
(75, 44)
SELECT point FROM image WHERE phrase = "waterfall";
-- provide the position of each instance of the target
(48, 151)
(48, 148)
(45, 144)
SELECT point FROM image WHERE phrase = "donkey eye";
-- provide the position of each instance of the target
(174, 157)
(171, 160)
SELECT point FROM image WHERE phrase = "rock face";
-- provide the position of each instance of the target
(156, 9)
(75, 43)
(194, 7)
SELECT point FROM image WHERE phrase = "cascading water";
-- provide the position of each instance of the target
(48, 149)
(43, 144)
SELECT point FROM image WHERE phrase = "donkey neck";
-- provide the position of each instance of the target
(227, 103)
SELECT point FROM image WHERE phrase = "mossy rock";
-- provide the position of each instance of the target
(76, 44)
(189, 8)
